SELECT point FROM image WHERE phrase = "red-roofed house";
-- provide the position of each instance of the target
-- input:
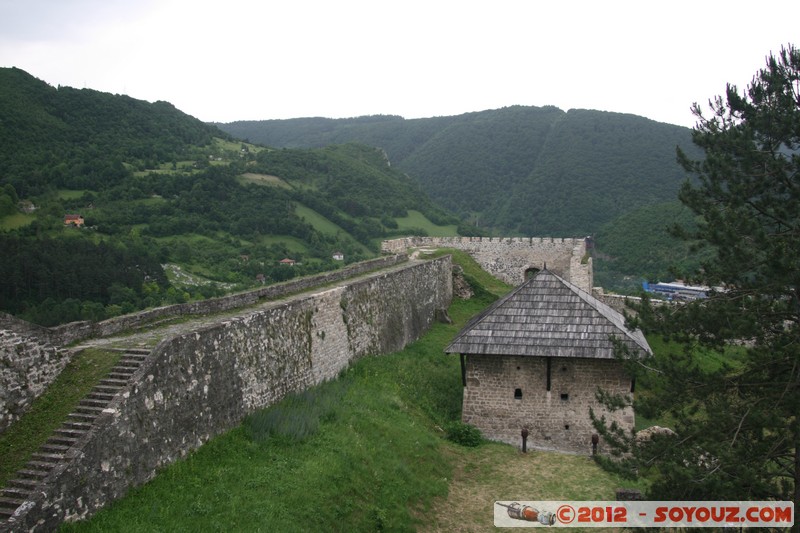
(73, 220)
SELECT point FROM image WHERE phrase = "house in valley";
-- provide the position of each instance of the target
(535, 360)
(73, 220)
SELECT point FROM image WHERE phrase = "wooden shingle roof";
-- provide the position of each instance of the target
(547, 317)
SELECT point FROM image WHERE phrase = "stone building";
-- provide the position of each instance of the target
(514, 259)
(535, 359)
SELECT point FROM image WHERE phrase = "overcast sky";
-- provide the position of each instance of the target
(253, 60)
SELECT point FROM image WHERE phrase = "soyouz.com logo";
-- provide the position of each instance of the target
(643, 514)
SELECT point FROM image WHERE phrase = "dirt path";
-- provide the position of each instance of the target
(493, 472)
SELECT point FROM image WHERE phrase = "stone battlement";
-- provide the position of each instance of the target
(510, 258)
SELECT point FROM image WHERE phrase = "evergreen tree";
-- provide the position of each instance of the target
(733, 391)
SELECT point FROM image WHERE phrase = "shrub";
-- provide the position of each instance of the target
(464, 434)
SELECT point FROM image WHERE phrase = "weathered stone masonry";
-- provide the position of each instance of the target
(30, 359)
(197, 385)
(508, 258)
(505, 394)
(535, 359)
(27, 367)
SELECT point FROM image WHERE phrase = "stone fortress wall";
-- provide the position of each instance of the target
(199, 384)
(28, 365)
(508, 258)
(30, 357)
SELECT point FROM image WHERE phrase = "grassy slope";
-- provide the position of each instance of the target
(17, 220)
(364, 452)
(415, 219)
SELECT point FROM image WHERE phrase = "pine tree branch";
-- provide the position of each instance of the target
(739, 427)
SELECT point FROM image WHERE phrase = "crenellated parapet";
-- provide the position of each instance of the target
(510, 258)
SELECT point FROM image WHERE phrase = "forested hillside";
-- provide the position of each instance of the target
(69, 138)
(168, 208)
(527, 170)
(174, 209)
(637, 246)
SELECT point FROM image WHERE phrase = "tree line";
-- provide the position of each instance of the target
(730, 387)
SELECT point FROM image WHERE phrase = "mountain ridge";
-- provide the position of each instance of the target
(491, 166)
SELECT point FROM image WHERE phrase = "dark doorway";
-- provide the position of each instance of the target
(531, 272)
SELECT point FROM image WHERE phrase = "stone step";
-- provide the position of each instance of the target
(9, 505)
(129, 360)
(40, 466)
(58, 448)
(69, 433)
(15, 493)
(91, 402)
(44, 457)
(119, 376)
(82, 426)
(29, 473)
(101, 396)
(81, 418)
(115, 382)
(107, 389)
(21, 484)
(57, 440)
(137, 351)
(89, 410)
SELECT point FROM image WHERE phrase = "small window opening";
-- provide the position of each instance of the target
(517, 394)
(518, 368)
(564, 396)
(566, 426)
(531, 272)
(563, 369)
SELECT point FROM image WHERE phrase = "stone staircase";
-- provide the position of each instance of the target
(77, 424)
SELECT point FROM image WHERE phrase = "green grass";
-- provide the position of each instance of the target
(235, 146)
(495, 471)
(415, 219)
(325, 226)
(474, 272)
(293, 244)
(262, 179)
(48, 411)
(707, 360)
(320, 223)
(17, 220)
